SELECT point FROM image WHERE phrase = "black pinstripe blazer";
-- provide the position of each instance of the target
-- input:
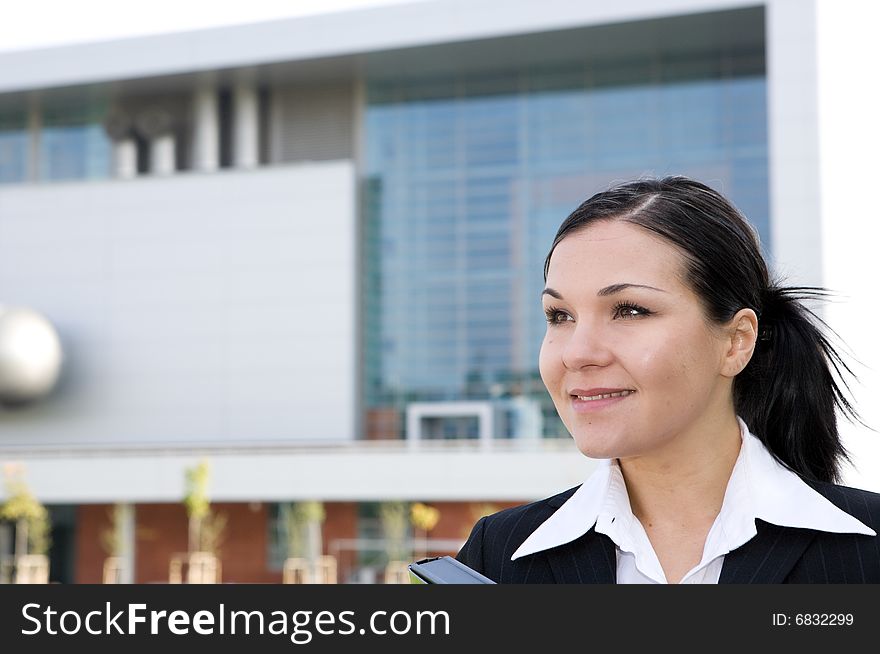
(775, 555)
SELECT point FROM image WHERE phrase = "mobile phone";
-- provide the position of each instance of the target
(444, 570)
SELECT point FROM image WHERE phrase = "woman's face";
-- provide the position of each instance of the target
(622, 321)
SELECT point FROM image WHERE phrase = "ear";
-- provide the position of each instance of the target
(741, 335)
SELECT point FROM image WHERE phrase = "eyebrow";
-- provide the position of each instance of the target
(608, 290)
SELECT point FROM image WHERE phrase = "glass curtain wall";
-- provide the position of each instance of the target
(14, 143)
(73, 143)
(467, 179)
(67, 140)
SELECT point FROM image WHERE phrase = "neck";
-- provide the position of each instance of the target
(683, 483)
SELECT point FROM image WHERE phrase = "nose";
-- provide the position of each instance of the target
(585, 346)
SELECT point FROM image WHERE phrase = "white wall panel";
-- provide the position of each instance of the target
(793, 141)
(357, 472)
(199, 308)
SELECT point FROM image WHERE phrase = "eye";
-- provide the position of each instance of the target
(628, 311)
(556, 316)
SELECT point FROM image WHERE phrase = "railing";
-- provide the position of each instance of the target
(495, 446)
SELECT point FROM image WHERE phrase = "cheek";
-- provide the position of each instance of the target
(671, 368)
(549, 362)
(654, 372)
(678, 371)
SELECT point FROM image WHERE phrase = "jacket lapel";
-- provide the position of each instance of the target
(768, 557)
(591, 559)
(765, 559)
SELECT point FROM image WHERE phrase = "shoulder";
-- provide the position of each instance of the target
(861, 504)
(842, 557)
(497, 536)
(526, 515)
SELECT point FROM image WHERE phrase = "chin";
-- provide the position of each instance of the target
(594, 448)
(593, 438)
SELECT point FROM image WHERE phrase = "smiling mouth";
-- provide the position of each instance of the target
(604, 396)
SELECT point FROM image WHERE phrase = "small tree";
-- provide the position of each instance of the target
(113, 542)
(206, 527)
(424, 518)
(111, 537)
(212, 532)
(394, 517)
(196, 501)
(302, 527)
(32, 525)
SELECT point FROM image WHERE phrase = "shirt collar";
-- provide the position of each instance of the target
(759, 487)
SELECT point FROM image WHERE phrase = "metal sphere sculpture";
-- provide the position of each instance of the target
(30, 356)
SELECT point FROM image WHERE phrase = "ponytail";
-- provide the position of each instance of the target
(788, 394)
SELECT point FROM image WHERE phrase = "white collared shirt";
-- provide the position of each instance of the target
(759, 487)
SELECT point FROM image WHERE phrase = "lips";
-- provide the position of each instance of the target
(599, 393)
(598, 400)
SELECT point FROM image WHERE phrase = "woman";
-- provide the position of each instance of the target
(705, 391)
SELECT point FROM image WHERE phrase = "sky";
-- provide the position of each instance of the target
(30, 24)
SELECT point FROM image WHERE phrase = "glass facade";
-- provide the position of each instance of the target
(13, 145)
(73, 143)
(467, 179)
(70, 141)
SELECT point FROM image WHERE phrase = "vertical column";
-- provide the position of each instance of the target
(275, 126)
(206, 127)
(314, 541)
(125, 158)
(245, 125)
(34, 127)
(156, 125)
(162, 154)
(119, 128)
(128, 543)
(486, 412)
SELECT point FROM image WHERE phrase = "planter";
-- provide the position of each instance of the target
(300, 571)
(195, 568)
(32, 569)
(112, 572)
